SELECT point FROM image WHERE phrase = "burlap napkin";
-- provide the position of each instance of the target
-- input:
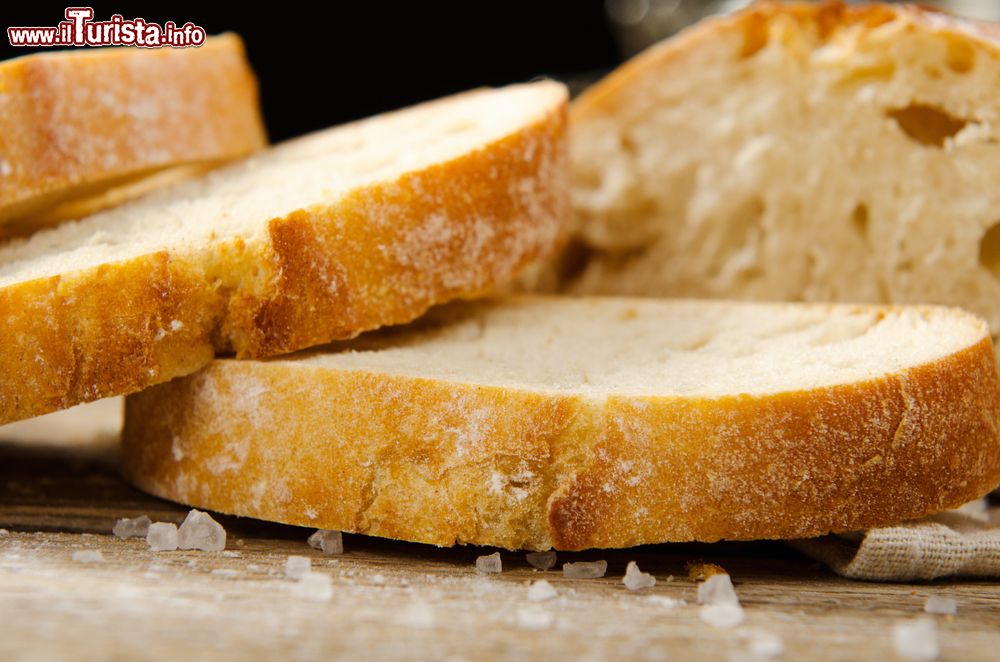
(963, 542)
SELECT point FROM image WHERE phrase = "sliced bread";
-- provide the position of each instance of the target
(548, 422)
(796, 152)
(73, 123)
(317, 239)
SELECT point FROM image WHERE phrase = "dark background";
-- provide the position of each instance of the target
(324, 63)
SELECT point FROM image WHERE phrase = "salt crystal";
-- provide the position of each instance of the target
(916, 640)
(534, 619)
(200, 531)
(328, 542)
(935, 604)
(765, 645)
(542, 560)
(664, 601)
(88, 556)
(725, 615)
(717, 590)
(418, 615)
(4, 532)
(225, 572)
(378, 579)
(136, 527)
(635, 579)
(541, 591)
(231, 554)
(585, 570)
(313, 586)
(297, 567)
(489, 564)
(162, 536)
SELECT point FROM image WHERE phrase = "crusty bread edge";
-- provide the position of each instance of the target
(319, 274)
(41, 89)
(445, 462)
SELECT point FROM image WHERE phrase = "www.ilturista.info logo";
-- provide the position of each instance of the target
(79, 29)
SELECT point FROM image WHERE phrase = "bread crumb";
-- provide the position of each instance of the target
(328, 542)
(88, 556)
(635, 579)
(916, 640)
(585, 570)
(699, 571)
(935, 604)
(297, 567)
(542, 560)
(541, 591)
(162, 536)
(489, 564)
(135, 527)
(200, 531)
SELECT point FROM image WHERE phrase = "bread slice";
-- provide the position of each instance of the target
(73, 123)
(550, 422)
(797, 152)
(317, 239)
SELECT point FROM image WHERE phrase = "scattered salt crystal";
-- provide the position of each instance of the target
(935, 604)
(717, 590)
(200, 531)
(135, 527)
(541, 591)
(231, 554)
(4, 532)
(328, 542)
(162, 536)
(297, 567)
(378, 579)
(225, 572)
(313, 586)
(585, 570)
(725, 615)
(664, 601)
(635, 579)
(88, 556)
(765, 645)
(916, 640)
(542, 560)
(534, 619)
(418, 615)
(489, 564)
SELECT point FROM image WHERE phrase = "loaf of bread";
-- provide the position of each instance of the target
(74, 123)
(818, 152)
(554, 422)
(317, 239)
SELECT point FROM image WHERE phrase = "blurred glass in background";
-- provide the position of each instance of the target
(640, 23)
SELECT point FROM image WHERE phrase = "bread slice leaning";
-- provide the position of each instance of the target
(73, 123)
(317, 239)
(796, 152)
(548, 422)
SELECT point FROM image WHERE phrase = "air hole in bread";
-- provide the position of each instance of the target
(989, 250)
(928, 125)
(961, 56)
(859, 220)
(573, 261)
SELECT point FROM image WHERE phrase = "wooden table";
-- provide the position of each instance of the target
(402, 601)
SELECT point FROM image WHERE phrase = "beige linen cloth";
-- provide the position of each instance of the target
(957, 543)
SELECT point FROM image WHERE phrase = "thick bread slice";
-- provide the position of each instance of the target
(591, 423)
(317, 239)
(75, 122)
(797, 152)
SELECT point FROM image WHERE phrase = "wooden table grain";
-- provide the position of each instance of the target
(403, 601)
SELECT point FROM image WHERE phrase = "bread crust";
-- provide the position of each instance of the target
(446, 462)
(319, 274)
(75, 123)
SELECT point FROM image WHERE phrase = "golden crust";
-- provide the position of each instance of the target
(822, 20)
(449, 462)
(324, 273)
(74, 123)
